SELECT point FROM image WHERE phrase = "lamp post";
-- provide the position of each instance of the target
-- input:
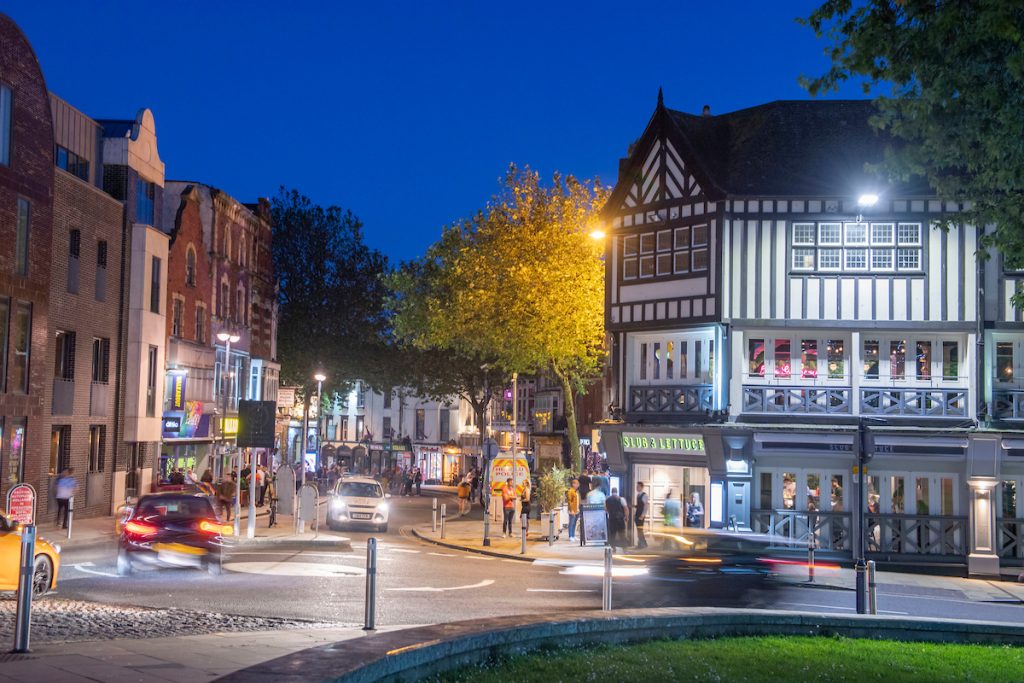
(515, 429)
(229, 338)
(320, 378)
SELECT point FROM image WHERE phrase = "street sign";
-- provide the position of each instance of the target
(256, 424)
(21, 504)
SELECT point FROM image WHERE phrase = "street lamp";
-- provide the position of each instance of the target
(320, 378)
(865, 201)
(229, 338)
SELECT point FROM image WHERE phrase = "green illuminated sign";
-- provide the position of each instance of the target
(684, 444)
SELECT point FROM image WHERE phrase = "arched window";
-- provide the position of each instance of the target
(190, 267)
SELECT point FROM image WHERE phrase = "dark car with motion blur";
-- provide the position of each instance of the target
(172, 529)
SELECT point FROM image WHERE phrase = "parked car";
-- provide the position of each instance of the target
(358, 502)
(172, 529)
(46, 565)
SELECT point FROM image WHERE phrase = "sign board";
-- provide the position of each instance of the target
(178, 380)
(21, 504)
(501, 469)
(286, 397)
(678, 444)
(595, 525)
(256, 424)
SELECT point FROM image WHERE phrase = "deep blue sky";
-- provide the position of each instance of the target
(409, 112)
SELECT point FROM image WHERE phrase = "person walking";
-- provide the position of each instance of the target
(595, 496)
(508, 507)
(463, 496)
(418, 478)
(617, 513)
(524, 507)
(66, 486)
(225, 494)
(695, 511)
(640, 515)
(572, 497)
(261, 485)
(584, 484)
(206, 485)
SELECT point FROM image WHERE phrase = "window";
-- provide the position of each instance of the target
(101, 270)
(683, 359)
(915, 358)
(1004, 361)
(145, 199)
(177, 318)
(755, 357)
(783, 362)
(386, 427)
(657, 360)
(100, 360)
(697, 372)
(421, 424)
(21, 238)
(97, 447)
(951, 360)
(200, 324)
(343, 429)
(21, 334)
(190, 267)
(224, 303)
(834, 357)
(870, 357)
(64, 356)
(387, 397)
(643, 361)
(5, 125)
(923, 358)
(240, 312)
(5, 316)
(154, 287)
(679, 251)
(151, 382)
(855, 247)
(444, 425)
(670, 350)
(60, 448)
(72, 163)
(74, 251)
(897, 359)
(16, 427)
(809, 358)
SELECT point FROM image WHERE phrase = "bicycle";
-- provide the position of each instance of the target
(273, 512)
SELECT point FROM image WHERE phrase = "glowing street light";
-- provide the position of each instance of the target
(869, 199)
(229, 338)
(598, 234)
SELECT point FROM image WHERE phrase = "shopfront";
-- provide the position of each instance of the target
(187, 441)
(440, 464)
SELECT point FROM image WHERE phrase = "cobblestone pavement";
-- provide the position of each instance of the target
(70, 620)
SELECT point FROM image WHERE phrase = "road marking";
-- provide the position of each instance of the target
(443, 554)
(481, 557)
(849, 609)
(83, 567)
(403, 550)
(428, 589)
(560, 590)
(294, 569)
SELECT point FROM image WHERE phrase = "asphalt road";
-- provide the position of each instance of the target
(419, 583)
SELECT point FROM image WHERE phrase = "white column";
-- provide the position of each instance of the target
(982, 559)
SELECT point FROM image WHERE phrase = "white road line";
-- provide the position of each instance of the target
(481, 557)
(850, 609)
(560, 590)
(428, 589)
(443, 554)
(403, 550)
(83, 568)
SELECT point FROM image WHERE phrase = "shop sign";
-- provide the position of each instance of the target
(802, 446)
(501, 470)
(172, 425)
(285, 397)
(21, 504)
(178, 390)
(190, 423)
(683, 444)
(229, 426)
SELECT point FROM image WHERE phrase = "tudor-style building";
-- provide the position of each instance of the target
(761, 317)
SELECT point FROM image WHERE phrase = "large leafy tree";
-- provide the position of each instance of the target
(954, 73)
(332, 294)
(523, 285)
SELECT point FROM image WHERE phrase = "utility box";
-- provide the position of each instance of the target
(285, 489)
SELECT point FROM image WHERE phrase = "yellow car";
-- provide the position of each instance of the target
(47, 562)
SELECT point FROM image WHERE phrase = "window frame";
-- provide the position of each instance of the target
(839, 246)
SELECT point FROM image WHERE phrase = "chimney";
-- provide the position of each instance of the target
(706, 111)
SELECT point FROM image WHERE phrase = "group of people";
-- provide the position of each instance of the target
(404, 480)
(509, 495)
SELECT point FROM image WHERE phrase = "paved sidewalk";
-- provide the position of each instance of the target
(185, 658)
(467, 534)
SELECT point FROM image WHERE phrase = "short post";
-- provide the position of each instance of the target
(23, 615)
(433, 515)
(551, 529)
(526, 525)
(444, 514)
(810, 562)
(606, 583)
(487, 521)
(872, 594)
(371, 585)
(71, 514)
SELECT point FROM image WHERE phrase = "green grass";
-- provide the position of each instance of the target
(771, 658)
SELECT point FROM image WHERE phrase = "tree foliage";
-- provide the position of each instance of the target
(955, 75)
(332, 294)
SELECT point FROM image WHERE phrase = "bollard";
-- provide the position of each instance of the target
(872, 595)
(371, 585)
(71, 514)
(433, 515)
(487, 521)
(606, 583)
(551, 529)
(444, 514)
(23, 615)
(526, 525)
(810, 562)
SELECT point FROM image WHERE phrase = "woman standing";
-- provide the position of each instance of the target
(525, 506)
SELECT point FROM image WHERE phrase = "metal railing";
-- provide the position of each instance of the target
(678, 399)
(796, 399)
(914, 402)
(916, 534)
(796, 529)
(1011, 538)
(1008, 405)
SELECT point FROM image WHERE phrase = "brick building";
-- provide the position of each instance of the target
(26, 220)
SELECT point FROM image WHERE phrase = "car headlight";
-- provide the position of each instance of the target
(382, 507)
(337, 504)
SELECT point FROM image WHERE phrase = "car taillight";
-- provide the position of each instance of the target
(140, 528)
(216, 527)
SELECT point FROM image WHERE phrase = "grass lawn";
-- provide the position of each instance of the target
(770, 658)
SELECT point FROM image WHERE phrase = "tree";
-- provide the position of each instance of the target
(955, 71)
(332, 293)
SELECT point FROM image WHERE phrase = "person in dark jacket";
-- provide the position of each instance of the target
(615, 506)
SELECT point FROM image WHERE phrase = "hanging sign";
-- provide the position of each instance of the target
(21, 504)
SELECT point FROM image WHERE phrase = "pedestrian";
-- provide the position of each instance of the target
(508, 507)
(584, 484)
(595, 496)
(419, 481)
(261, 485)
(695, 511)
(176, 478)
(572, 497)
(524, 507)
(670, 508)
(640, 515)
(225, 494)
(66, 486)
(206, 484)
(463, 496)
(617, 513)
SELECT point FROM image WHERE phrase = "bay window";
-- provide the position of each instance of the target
(924, 365)
(779, 355)
(679, 358)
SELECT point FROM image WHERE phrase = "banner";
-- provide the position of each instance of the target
(595, 525)
(501, 470)
(178, 390)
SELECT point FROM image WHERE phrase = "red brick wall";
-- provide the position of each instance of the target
(30, 176)
(188, 230)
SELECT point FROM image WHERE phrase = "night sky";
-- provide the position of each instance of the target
(409, 112)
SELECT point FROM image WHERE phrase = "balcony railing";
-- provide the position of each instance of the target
(911, 402)
(1008, 405)
(793, 529)
(63, 397)
(917, 534)
(1011, 538)
(798, 400)
(680, 399)
(99, 397)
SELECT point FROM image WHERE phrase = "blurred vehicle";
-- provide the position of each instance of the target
(172, 529)
(45, 567)
(713, 565)
(358, 501)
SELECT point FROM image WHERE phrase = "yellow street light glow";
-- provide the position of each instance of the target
(597, 234)
(320, 377)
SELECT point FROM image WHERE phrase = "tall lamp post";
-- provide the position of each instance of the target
(229, 338)
(320, 378)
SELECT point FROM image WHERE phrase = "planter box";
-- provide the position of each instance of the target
(554, 515)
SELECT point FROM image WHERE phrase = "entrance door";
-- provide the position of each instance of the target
(670, 488)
